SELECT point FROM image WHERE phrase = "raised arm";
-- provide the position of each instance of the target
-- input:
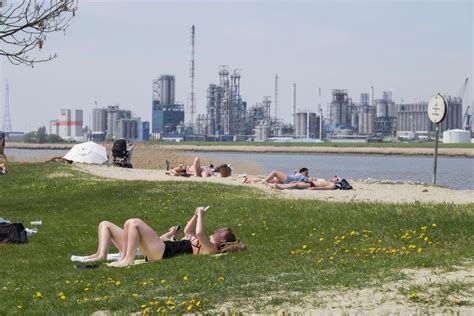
(190, 229)
(206, 245)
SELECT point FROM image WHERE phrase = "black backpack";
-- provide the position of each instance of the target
(12, 234)
(343, 184)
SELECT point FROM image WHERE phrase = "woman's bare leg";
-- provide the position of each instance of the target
(107, 233)
(323, 185)
(280, 176)
(197, 167)
(138, 234)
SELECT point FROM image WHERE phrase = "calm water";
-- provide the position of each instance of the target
(457, 173)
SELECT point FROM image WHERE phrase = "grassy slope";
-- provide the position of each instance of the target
(293, 246)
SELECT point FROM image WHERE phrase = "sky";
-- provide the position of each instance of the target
(114, 49)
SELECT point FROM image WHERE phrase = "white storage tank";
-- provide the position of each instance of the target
(456, 136)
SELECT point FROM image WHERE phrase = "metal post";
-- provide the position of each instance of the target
(435, 154)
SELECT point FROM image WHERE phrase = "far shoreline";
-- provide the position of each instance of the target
(403, 151)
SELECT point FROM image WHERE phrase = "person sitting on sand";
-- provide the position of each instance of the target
(137, 234)
(195, 170)
(312, 184)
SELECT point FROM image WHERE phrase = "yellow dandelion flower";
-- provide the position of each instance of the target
(142, 306)
(86, 289)
(146, 311)
(186, 278)
(434, 225)
(331, 258)
(135, 295)
(310, 234)
(423, 227)
(38, 294)
(221, 278)
(67, 281)
(365, 236)
(117, 283)
(62, 297)
(419, 250)
(379, 241)
(198, 303)
(162, 281)
(321, 239)
(189, 308)
(19, 306)
(304, 247)
(254, 234)
(320, 260)
(426, 238)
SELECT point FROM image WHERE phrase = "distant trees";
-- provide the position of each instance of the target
(25, 24)
(40, 137)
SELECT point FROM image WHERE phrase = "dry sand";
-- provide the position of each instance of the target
(363, 191)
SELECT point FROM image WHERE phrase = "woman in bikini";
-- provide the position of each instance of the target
(312, 184)
(195, 170)
(137, 234)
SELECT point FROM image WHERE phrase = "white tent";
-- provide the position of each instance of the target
(88, 152)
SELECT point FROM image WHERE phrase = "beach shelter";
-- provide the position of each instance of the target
(88, 152)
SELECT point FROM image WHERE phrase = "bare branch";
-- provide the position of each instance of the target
(25, 26)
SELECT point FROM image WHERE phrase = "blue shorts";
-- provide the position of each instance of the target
(293, 178)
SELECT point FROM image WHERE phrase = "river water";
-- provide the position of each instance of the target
(456, 173)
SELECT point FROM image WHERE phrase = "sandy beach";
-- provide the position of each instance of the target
(363, 191)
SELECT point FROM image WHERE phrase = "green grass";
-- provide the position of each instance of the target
(297, 247)
(324, 144)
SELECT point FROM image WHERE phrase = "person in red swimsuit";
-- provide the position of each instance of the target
(137, 234)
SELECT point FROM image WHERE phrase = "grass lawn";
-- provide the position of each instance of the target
(295, 248)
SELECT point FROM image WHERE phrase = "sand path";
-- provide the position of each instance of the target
(363, 191)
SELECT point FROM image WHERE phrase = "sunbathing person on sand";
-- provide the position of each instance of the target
(137, 234)
(312, 184)
(280, 177)
(194, 170)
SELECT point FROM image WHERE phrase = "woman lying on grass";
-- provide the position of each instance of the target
(137, 234)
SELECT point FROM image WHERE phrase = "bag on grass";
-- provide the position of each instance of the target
(14, 233)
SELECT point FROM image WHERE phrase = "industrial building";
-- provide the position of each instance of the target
(413, 121)
(114, 123)
(167, 114)
(386, 115)
(69, 126)
(340, 110)
(226, 111)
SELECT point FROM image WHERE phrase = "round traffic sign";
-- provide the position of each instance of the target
(437, 109)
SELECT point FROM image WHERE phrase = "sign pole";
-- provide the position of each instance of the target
(435, 164)
(437, 110)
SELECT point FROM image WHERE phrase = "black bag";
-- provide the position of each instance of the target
(343, 184)
(13, 234)
(119, 148)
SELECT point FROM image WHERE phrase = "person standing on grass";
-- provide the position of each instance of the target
(137, 234)
(2, 146)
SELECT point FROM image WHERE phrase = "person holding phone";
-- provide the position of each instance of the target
(137, 234)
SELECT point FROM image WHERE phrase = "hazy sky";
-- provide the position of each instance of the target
(113, 50)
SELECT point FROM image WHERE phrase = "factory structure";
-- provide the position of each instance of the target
(111, 122)
(167, 114)
(69, 126)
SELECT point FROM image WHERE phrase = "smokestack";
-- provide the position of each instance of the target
(320, 110)
(294, 105)
(276, 96)
(372, 95)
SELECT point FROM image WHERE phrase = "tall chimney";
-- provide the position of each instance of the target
(294, 105)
